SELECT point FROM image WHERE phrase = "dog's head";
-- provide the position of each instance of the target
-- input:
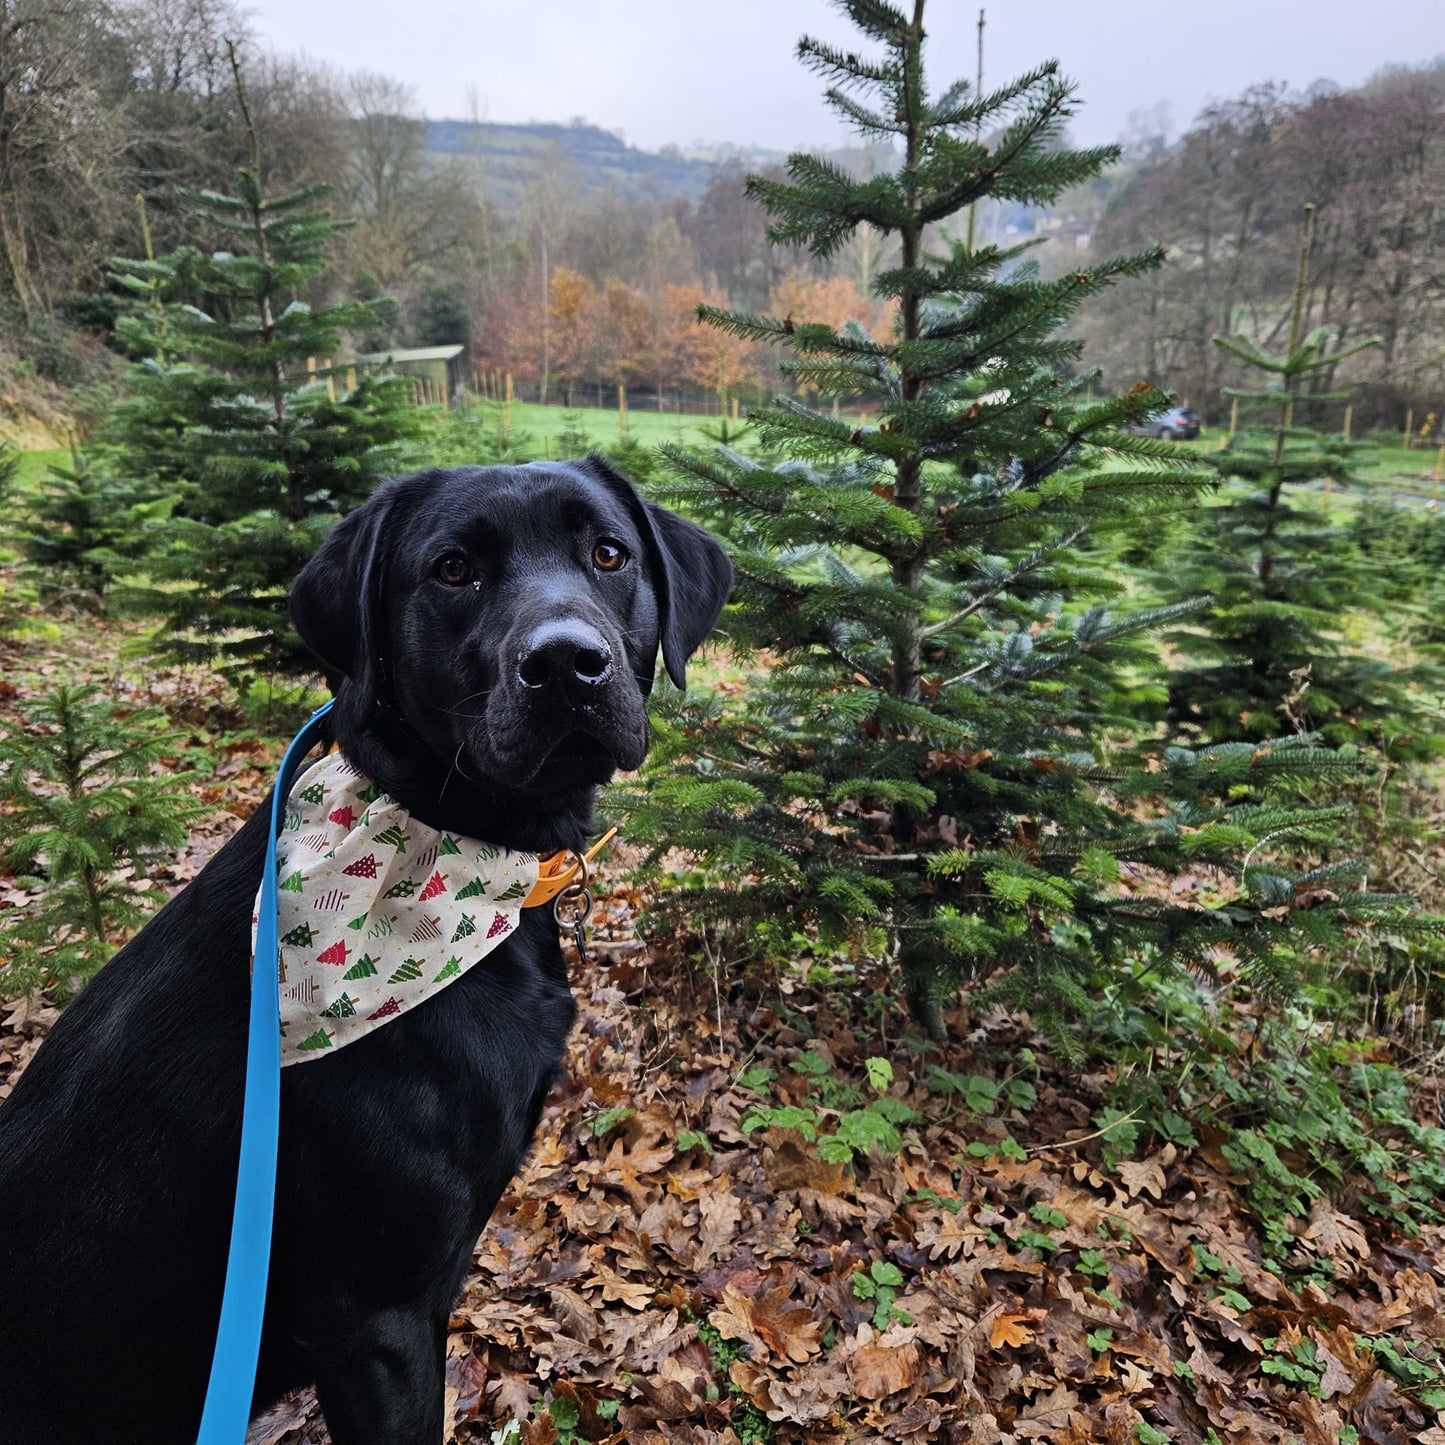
(497, 629)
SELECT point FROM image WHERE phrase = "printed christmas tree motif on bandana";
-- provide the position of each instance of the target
(375, 906)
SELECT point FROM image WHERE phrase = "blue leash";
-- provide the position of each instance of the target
(227, 1411)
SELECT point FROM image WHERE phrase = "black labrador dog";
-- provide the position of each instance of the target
(497, 629)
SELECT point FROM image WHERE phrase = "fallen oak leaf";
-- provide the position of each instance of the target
(878, 1371)
(1335, 1379)
(924, 1414)
(805, 1397)
(618, 1290)
(766, 1326)
(791, 1167)
(720, 1213)
(1014, 1328)
(1381, 1412)
(1334, 1234)
(466, 1379)
(1146, 1176)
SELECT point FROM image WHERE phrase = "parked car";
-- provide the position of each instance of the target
(1179, 423)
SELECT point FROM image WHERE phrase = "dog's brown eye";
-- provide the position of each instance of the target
(608, 557)
(453, 569)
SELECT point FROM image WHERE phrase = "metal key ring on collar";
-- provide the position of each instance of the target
(579, 897)
(582, 874)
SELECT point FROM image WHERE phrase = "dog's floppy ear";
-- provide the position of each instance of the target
(693, 573)
(694, 578)
(336, 598)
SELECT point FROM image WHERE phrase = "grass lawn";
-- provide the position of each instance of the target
(1417, 464)
(544, 423)
(34, 465)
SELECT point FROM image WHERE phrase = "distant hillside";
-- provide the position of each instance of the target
(508, 155)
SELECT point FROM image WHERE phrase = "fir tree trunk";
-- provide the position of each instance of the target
(908, 474)
(295, 488)
(546, 319)
(907, 571)
(1286, 414)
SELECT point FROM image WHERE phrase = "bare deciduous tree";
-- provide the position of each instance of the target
(62, 87)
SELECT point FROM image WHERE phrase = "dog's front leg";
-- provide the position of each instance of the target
(388, 1389)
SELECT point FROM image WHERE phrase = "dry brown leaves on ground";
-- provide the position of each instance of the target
(660, 1272)
(653, 1292)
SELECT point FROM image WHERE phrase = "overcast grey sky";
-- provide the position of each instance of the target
(683, 71)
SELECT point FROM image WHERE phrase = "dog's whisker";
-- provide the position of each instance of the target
(481, 692)
(455, 769)
(453, 710)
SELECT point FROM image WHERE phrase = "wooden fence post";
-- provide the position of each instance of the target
(1233, 415)
(621, 412)
(1409, 426)
(1349, 417)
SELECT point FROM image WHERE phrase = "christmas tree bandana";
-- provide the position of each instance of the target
(377, 912)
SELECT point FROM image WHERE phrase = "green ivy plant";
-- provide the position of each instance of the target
(838, 1117)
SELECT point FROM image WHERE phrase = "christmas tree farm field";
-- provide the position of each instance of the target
(1007, 1017)
(762, 1207)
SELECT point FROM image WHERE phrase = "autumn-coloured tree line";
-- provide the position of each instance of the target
(573, 339)
(572, 283)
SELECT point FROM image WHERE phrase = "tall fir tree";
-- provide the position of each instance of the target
(230, 414)
(924, 766)
(1269, 658)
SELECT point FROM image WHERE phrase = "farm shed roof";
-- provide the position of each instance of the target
(415, 353)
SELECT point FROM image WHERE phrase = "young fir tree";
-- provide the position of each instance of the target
(230, 413)
(84, 525)
(1268, 658)
(924, 766)
(82, 811)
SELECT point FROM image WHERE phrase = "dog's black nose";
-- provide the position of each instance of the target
(565, 653)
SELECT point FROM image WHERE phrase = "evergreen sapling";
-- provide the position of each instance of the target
(84, 524)
(1268, 657)
(84, 812)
